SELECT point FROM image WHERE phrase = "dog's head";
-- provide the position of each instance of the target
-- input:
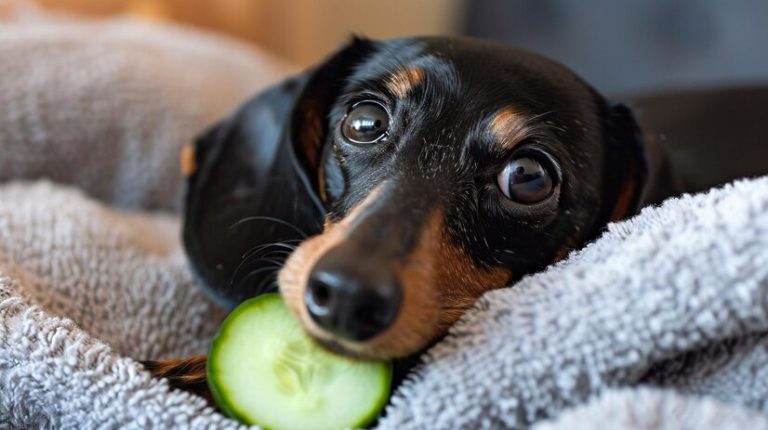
(425, 172)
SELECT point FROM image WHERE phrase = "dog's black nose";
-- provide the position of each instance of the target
(352, 301)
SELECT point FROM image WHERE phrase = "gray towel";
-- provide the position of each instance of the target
(653, 409)
(104, 105)
(674, 298)
(81, 289)
(107, 105)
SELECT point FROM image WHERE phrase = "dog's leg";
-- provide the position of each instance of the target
(186, 374)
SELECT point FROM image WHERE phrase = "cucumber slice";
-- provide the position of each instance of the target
(264, 369)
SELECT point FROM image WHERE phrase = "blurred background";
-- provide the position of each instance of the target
(621, 47)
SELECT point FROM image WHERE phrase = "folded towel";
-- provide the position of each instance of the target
(107, 105)
(646, 409)
(81, 289)
(675, 298)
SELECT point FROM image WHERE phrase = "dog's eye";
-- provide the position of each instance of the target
(524, 180)
(367, 122)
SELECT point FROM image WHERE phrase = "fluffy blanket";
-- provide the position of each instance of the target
(662, 323)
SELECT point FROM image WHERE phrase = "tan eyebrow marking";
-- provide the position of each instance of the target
(509, 127)
(188, 161)
(405, 80)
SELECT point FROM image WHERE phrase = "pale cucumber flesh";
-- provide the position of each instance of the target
(264, 369)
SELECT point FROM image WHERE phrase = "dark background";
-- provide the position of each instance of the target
(624, 47)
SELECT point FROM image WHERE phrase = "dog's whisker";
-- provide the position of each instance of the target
(275, 256)
(246, 259)
(253, 252)
(269, 278)
(272, 219)
(259, 271)
(281, 247)
(277, 262)
(275, 265)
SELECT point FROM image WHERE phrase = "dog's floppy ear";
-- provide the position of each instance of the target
(625, 165)
(310, 116)
(252, 191)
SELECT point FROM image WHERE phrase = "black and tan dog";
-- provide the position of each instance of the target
(389, 188)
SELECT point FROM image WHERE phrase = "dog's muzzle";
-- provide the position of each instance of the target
(352, 298)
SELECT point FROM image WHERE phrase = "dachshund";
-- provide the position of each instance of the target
(385, 190)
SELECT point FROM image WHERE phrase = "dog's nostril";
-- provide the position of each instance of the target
(321, 294)
(318, 298)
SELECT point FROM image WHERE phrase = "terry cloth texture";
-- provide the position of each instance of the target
(673, 299)
(82, 288)
(650, 409)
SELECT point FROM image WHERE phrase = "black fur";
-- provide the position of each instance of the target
(259, 181)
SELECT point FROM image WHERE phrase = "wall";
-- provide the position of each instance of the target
(303, 31)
